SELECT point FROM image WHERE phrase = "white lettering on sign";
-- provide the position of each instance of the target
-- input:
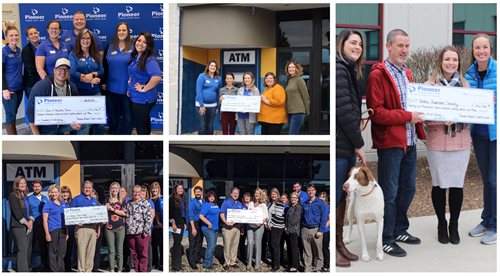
(44, 172)
(239, 57)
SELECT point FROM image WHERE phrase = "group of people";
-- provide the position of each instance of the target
(134, 231)
(300, 220)
(278, 105)
(77, 64)
(395, 132)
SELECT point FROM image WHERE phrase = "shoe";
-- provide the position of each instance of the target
(193, 266)
(407, 238)
(226, 267)
(323, 269)
(443, 233)
(292, 270)
(234, 266)
(274, 269)
(478, 231)
(454, 236)
(393, 249)
(339, 233)
(340, 259)
(489, 238)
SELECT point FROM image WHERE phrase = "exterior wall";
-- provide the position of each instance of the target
(267, 63)
(70, 176)
(174, 68)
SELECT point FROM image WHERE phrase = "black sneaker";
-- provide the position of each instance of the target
(226, 267)
(407, 238)
(394, 250)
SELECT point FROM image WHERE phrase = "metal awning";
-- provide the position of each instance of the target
(179, 167)
(38, 150)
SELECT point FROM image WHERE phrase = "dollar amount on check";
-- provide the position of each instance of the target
(85, 215)
(245, 104)
(70, 109)
(452, 104)
(244, 216)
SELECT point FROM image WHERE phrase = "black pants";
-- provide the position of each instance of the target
(157, 244)
(68, 257)
(97, 254)
(57, 250)
(275, 239)
(242, 249)
(285, 238)
(195, 243)
(127, 262)
(326, 250)
(177, 251)
(265, 245)
(271, 129)
(23, 246)
(293, 248)
(142, 118)
(39, 240)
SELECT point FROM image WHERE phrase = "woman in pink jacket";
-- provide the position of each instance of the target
(448, 146)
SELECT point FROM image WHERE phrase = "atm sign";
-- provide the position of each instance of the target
(239, 57)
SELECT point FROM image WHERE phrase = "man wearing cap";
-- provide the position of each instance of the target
(52, 86)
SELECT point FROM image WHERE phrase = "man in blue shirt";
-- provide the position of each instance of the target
(195, 234)
(37, 201)
(230, 230)
(79, 24)
(297, 187)
(315, 216)
(86, 234)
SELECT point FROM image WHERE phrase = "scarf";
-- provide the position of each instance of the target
(452, 129)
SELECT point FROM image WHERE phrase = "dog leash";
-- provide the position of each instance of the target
(373, 189)
(364, 121)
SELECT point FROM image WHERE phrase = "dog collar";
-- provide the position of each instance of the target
(371, 191)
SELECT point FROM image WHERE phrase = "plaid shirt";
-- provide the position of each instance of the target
(401, 80)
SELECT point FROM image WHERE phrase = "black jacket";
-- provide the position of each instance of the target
(17, 212)
(348, 110)
(175, 213)
(30, 75)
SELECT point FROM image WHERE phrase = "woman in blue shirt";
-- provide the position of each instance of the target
(116, 58)
(207, 93)
(483, 74)
(209, 215)
(144, 75)
(56, 233)
(12, 79)
(49, 51)
(86, 72)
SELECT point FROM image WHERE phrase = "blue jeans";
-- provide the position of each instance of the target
(11, 106)
(211, 237)
(486, 156)
(295, 122)
(397, 174)
(342, 168)
(120, 114)
(54, 130)
(206, 121)
(96, 130)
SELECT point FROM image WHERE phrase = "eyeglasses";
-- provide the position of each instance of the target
(62, 69)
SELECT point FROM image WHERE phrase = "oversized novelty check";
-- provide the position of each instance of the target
(245, 104)
(68, 110)
(452, 104)
(85, 215)
(244, 216)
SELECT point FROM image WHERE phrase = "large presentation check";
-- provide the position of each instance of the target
(85, 215)
(68, 110)
(452, 104)
(245, 104)
(244, 216)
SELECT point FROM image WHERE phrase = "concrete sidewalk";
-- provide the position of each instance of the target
(429, 256)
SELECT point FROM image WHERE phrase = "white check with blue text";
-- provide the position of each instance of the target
(85, 215)
(70, 109)
(245, 104)
(452, 104)
(244, 216)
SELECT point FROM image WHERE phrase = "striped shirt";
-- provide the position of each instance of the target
(401, 79)
(277, 215)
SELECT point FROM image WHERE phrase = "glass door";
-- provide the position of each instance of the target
(103, 175)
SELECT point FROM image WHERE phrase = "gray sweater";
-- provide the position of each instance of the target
(293, 217)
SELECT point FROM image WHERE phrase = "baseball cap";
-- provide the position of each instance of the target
(62, 61)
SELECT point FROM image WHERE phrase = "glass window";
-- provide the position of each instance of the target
(371, 43)
(295, 33)
(465, 40)
(321, 169)
(358, 14)
(301, 56)
(475, 17)
(149, 173)
(149, 150)
(245, 186)
(325, 91)
(325, 33)
(271, 168)
(269, 184)
(215, 168)
(245, 168)
(102, 176)
(298, 168)
(111, 150)
(218, 186)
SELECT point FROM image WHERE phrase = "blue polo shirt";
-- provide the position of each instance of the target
(117, 60)
(52, 54)
(211, 212)
(207, 90)
(315, 214)
(37, 205)
(303, 197)
(194, 209)
(159, 207)
(69, 37)
(82, 201)
(56, 214)
(142, 77)
(327, 229)
(230, 204)
(13, 67)
(81, 66)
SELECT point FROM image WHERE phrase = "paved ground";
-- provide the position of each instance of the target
(23, 129)
(430, 256)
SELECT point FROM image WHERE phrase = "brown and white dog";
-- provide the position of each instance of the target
(366, 203)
